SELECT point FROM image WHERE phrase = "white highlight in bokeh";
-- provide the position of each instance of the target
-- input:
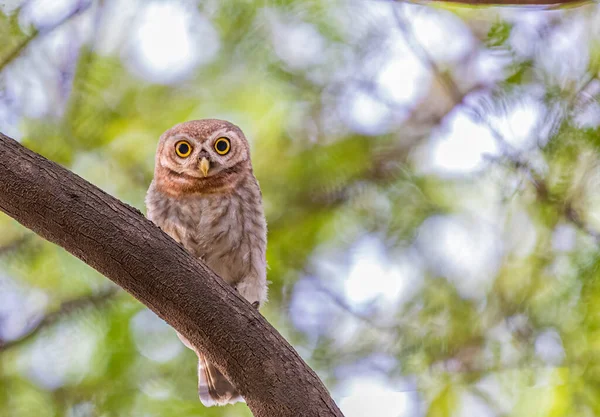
(461, 146)
(395, 77)
(369, 278)
(565, 57)
(46, 13)
(403, 78)
(65, 356)
(297, 43)
(365, 397)
(9, 6)
(465, 251)
(397, 85)
(366, 280)
(171, 40)
(364, 113)
(431, 28)
(21, 309)
(473, 405)
(564, 238)
(374, 278)
(154, 338)
(313, 311)
(518, 123)
(549, 347)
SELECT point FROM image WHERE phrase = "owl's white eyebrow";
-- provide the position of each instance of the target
(219, 133)
(181, 136)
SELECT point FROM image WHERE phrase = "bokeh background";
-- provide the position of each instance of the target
(431, 179)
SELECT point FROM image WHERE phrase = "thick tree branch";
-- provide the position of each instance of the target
(120, 243)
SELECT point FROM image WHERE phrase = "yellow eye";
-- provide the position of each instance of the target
(222, 146)
(183, 148)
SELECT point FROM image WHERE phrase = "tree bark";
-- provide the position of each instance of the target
(122, 244)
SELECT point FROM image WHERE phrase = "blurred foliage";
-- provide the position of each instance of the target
(430, 177)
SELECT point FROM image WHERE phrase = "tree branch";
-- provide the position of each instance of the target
(21, 46)
(120, 243)
(448, 83)
(525, 3)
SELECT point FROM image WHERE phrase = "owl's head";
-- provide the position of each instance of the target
(202, 156)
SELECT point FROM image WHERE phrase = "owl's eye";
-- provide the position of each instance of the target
(183, 148)
(222, 146)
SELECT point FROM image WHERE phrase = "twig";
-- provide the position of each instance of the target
(340, 302)
(15, 244)
(16, 51)
(564, 208)
(66, 308)
(447, 81)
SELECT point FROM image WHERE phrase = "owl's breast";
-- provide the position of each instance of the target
(227, 231)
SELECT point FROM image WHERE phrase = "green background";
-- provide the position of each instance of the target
(430, 179)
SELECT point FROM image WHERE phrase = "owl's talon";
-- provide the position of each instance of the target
(256, 304)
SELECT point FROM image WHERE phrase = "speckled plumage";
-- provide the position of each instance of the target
(218, 218)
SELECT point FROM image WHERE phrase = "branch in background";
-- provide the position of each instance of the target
(453, 96)
(546, 4)
(343, 304)
(565, 208)
(14, 245)
(17, 50)
(65, 309)
(406, 29)
(119, 242)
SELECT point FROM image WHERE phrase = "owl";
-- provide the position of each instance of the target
(205, 196)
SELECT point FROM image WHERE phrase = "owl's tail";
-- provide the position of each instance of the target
(213, 387)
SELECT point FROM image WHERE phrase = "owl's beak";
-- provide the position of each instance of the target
(204, 166)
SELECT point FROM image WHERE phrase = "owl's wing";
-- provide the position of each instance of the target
(213, 387)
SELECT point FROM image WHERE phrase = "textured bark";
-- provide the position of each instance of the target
(122, 244)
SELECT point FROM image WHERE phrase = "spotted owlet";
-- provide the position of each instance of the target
(205, 196)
